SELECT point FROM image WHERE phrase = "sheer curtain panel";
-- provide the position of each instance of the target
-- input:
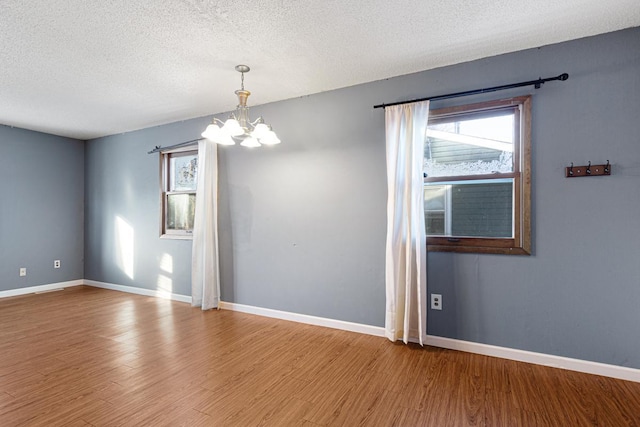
(205, 275)
(406, 257)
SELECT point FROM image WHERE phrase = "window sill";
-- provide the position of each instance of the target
(477, 245)
(176, 237)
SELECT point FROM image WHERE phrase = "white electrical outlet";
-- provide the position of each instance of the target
(436, 302)
(23, 271)
(56, 263)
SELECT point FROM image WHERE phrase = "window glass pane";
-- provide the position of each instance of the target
(183, 173)
(434, 223)
(482, 210)
(434, 209)
(465, 146)
(180, 211)
(434, 197)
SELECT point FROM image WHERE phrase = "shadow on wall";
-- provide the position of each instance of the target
(463, 314)
(441, 280)
(225, 234)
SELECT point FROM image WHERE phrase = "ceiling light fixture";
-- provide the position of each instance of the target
(238, 127)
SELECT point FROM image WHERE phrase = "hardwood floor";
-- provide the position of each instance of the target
(93, 357)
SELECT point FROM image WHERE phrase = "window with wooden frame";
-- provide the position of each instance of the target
(179, 173)
(477, 185)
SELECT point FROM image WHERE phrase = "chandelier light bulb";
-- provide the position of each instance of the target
(250, 142)
(211, 132)
(224, 139)
(270, 138)
(232, 127)
(260, 130)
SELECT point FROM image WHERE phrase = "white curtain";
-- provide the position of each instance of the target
(205, 275)
(406, 259)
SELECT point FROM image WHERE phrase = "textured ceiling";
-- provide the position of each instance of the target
(85, 69)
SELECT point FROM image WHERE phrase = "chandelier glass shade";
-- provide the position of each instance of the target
(239, 127)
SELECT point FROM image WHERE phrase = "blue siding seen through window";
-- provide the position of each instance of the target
(482, 210)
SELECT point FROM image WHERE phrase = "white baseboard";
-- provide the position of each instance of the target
(578, 365)
(138, 291)
(304, 318)
(595, 368)
(40, 288)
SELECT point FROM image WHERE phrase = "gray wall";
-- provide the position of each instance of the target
(122, 223)
(578, 295)
(41, 208)
(303, 223)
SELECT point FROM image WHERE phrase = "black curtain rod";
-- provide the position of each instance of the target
(536, 83)
(171, 147)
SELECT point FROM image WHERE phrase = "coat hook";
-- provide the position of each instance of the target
(588, 170)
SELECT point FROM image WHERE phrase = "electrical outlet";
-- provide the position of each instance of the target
(23, 271)
(56, 263)
(436, 302)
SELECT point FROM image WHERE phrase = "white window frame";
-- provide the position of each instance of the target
(164, 193)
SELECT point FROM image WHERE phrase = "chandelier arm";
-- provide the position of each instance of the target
(255, 122)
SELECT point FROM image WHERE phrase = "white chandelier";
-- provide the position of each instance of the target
(238, 127)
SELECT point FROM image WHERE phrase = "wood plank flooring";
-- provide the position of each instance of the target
(93, 357)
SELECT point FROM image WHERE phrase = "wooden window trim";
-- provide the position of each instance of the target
(520, 244)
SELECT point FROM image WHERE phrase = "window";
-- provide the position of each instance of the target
(477, 182)
(179, 177)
